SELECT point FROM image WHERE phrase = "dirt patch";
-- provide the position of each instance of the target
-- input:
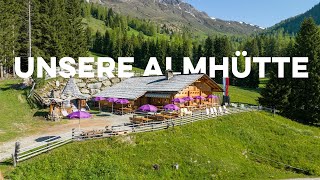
(1, 176)
(21, 126)
(127, 140)
(21, 98)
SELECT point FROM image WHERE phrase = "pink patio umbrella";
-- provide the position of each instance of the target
(212, 97)
(148, 108)
(112, 100)
(98, 99)
(200, 98)
(122, 102)
(178, 100)
(80, 115)
(171, 107)
(188, 98)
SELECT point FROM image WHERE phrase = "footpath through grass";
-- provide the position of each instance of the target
(217, 148)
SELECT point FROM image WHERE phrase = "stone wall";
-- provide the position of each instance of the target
(88, 86)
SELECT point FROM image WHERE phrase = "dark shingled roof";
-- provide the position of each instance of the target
(136, 87)
(71, 89)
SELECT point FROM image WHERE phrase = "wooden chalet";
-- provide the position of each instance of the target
(161, 90)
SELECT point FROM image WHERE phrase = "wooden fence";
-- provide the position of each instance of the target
(22, 154)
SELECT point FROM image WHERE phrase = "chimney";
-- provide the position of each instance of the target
(169, 74)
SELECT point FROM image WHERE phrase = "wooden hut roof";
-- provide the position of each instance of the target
(136, 87)
(71, 89)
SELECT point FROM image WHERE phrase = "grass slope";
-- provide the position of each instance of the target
(208, 149)
(244, 95)
(16, 116)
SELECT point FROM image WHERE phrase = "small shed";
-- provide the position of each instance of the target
(72, 93)
(70, 100)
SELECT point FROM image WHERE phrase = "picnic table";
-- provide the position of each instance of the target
(140, 119)
(125, 110)
(92, 134)
(166, 116)
(191, 107)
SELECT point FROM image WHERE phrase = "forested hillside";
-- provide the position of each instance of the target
(59, 29)
(292, 25)
(298, 99)
(56, 31)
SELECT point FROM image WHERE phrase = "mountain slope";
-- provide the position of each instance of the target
(292, 25)
(176, 15)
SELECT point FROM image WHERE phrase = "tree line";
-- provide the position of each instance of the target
(57, 30)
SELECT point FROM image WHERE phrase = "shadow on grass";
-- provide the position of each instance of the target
(103, 115)
(6, 163)
(10, 86)
(40, 114)
(47, 138)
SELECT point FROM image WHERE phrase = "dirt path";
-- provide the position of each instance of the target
(7, 148)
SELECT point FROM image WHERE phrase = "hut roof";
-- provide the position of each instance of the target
(136, 87)
(71, 89)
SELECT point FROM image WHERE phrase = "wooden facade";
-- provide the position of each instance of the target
(202, 87)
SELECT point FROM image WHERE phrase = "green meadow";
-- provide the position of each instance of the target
(253, 145)
(18, 117)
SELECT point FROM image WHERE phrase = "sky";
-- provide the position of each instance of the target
(264, 13)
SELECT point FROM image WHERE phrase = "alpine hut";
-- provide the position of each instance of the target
(161, 90)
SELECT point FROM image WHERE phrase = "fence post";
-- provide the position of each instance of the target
(48, 145)
(15, 154)
(73, 132)
(172, 123)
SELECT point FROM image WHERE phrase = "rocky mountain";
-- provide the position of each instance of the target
(292, 25)
(176, 15)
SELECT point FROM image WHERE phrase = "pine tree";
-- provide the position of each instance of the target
(222, 48)
(75, 37)
(305, 97)
(98, 43)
